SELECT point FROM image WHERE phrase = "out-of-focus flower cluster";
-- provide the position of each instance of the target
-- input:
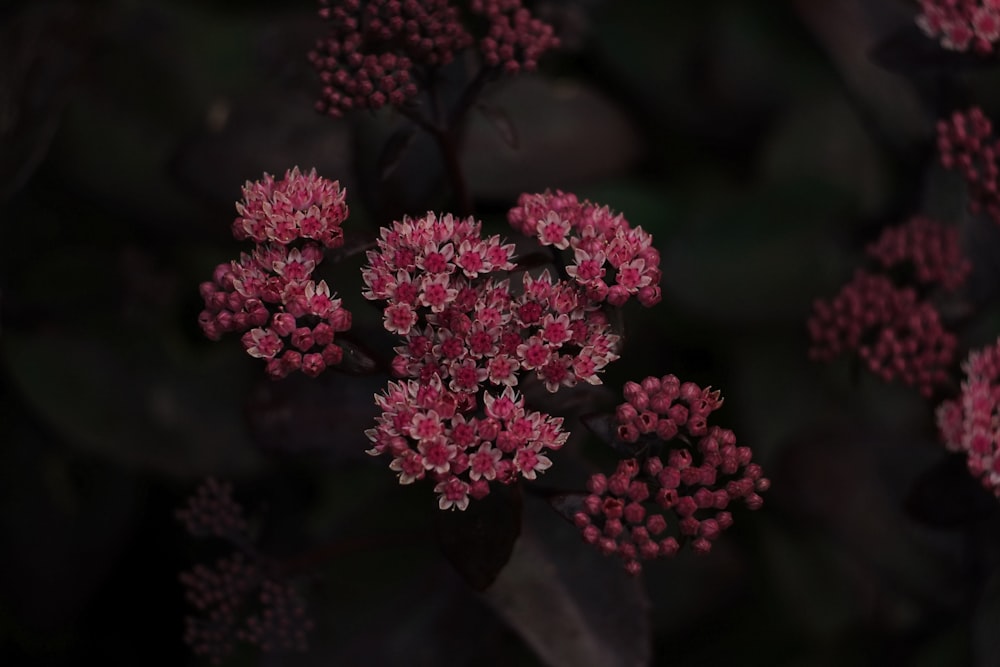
(237, 599)
(967, 145)
(602, 242)
(961, 24)
(425, 433)
(676, 489)
(893, 329)
(971, 423)
(269, 295)
(380, 52)
(469, 328)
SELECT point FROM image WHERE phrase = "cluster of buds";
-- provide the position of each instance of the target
(929, 251)
(236, 600)
(961, 24)
(971, 423)
(377, 52)
(967, 145)
(684, 479)
(269, 295)
(897, 333)
(427, 435)
(599, 239)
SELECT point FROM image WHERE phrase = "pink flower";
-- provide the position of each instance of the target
(599, 238)
(262, 343)
(275, 211)
(959, 24)
(423, 428)
(273, 283)
(399, 318)
(969, 423)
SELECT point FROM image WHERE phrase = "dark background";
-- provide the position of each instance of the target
(758, 142)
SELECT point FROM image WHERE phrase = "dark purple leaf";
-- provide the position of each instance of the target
(501, 123)
(394, 149)
(985, 639)
(358, 359)
(604, 426)
(567, 504)
(326, 415)
(479, 541)
(947, 496)
(572, 605)
(909, 51)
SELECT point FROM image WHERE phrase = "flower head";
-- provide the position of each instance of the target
(971, 423)
(961, 24)
(675, 491)
(287, 318)
(427, 437)
(612, 261)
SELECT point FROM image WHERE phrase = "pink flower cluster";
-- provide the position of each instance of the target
(515, 39)
(269, 295)
(424, 430)
(378, 51)
(654, 503)
(895, 333)
(928, 248)
(237, 603)
(967, 145)
(602, 243)
(461, 325)
(960, 24)
(971, 423)
(236, 600)
(212, 512)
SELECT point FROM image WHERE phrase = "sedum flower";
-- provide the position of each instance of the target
(971, 422)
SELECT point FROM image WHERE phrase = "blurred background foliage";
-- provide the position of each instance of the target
(758, 142)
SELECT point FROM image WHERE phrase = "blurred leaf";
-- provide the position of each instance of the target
(910, 51)
(947, 496)
(573, 606)
(479, 540)
(551, 118)
(567, 504)
(394, 149)
(502, 123)
(985, 638)
(845, 539)
(604, 425)
(326, 416)
(823, 139)
(66, 520)
(845, 30)
(755, 257)
(138, 404)
(42, 46)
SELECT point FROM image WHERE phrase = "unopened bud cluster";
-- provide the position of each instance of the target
(682, 484)
(894, 329)
(236, 600)
(381, 52)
